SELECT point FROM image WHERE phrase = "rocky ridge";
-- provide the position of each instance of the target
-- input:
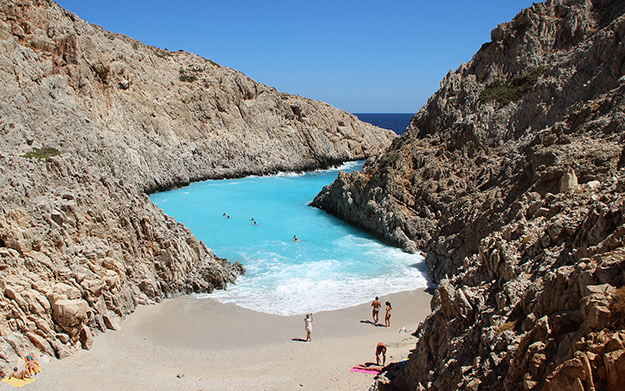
(90, 123)
(511, 180)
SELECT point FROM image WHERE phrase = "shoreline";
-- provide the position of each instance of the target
(201, 344)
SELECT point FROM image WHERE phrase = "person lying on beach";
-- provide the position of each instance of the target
(19, 374)
(377, 367)
(373, 367)
(380, 350)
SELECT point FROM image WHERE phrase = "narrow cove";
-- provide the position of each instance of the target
(331, 266)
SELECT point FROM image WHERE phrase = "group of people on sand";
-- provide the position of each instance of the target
(31, 368)
(376, 312)
(376, 304)
(380, 349)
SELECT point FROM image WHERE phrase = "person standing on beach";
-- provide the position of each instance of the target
(376, 309)
(308, 326)
(380, 350)
(387, 316)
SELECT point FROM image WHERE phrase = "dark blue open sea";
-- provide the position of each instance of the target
(397, 122)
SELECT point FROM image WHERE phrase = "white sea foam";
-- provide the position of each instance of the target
(347, 166)
(298, 289)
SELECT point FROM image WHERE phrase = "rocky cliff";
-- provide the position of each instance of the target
(511, 180)
(90, 123)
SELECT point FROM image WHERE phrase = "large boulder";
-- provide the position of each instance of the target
(70, 314)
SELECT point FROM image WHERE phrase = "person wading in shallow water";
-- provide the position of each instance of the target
(295, 239)
(308, 326)
(376, 309)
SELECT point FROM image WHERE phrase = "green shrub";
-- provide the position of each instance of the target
(162, 53)
(514, 90)
(388, 160)
(42, 153)
(392, 157)
(186, 77)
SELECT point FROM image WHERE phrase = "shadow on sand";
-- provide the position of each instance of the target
(298, 340)
(371, 322)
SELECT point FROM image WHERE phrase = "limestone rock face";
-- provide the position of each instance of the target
(163, 118)
(511, 180)
(107, 120)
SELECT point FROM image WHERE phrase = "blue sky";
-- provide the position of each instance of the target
(360, 56)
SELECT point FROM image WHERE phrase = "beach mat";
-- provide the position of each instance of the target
(18, 382)
(363, 370)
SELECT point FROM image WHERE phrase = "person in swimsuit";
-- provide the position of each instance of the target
(20, 374)
(295, 239)
(308, 326)
(376, 309)
(387, 316)
(31, 365)
(380, 350)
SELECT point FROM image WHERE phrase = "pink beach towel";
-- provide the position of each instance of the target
(363, 370)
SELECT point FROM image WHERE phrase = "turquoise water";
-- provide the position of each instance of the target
(332, 266)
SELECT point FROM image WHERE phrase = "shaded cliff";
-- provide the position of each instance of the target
(511, 179)
(91, 121)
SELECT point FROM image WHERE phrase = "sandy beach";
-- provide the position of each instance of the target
(199, 344)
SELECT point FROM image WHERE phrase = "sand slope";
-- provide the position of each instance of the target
(198, 344)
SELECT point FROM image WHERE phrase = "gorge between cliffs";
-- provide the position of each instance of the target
(511, 179)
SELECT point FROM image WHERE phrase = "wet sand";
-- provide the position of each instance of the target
(199, 344)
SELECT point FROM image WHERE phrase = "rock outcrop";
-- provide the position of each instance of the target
(511, 180)
(90, 123)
